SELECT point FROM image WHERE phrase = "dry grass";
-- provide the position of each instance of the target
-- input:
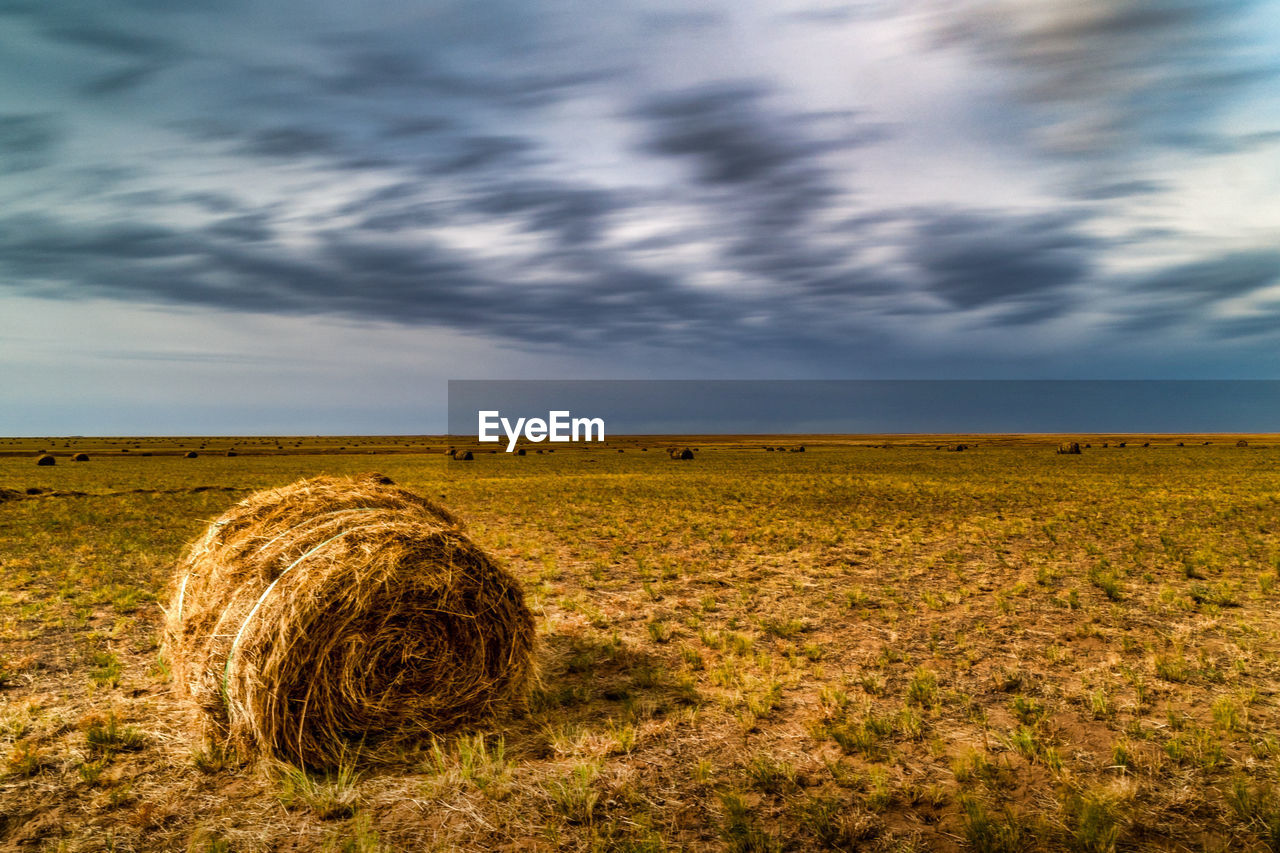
(845, 649)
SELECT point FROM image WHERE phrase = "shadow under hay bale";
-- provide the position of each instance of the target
(1072, 447)
(342, 614)
(80, 457)
(46, 459)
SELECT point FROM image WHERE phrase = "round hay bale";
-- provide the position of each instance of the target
(339, 614)
(232, 453)
(959, 447)
(1072, 447)
(80, 457)
(463, 455)
(682, 453)
(190, 454)
(522, 452)
(46, 459)
(1241, 443)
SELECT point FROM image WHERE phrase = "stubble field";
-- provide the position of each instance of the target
(856, 647)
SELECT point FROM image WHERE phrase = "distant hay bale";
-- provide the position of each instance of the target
(46, 459)
(190, 454)
(1180, 444)
(1240, 443)
(80, 457)
(956, 448)
(799, 449)
(463, 455)
(1121, 444)
(521, 452)
(1072, 447)
(1088, 446)
(232, 453)
(1105, 444)
(342, 614)
(682, 453)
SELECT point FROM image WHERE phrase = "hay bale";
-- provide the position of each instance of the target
(337, 614)
(521, 452)
(190, 454)
(463, 455)
(799, 449)
(1240, 443)
(80, 457)
(1072, 447)
(683, 453)
(46, 459)
(231, 453)
(956, 448)
(1121, 444)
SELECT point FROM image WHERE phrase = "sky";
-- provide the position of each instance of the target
(221, 216)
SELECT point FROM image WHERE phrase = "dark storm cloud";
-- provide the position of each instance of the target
(477, 153)
(1116, 75)
(728, 136)
(974, 259)
(289, 142)
(574, 214)
(27, 141)
(762, 170)
(108, 39)
(1223, 277)
(1185, 295)
(248, 228)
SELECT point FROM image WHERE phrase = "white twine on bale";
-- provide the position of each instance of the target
(226, 675)
(182, 589)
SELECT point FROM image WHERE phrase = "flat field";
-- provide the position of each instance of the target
(856, 647)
